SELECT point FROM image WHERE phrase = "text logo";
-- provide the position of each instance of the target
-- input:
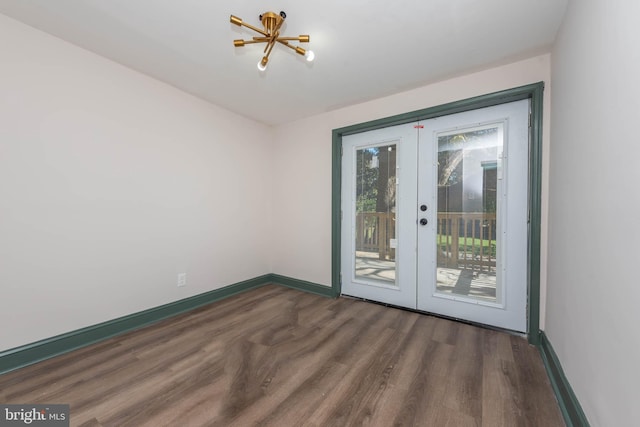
(34, 415)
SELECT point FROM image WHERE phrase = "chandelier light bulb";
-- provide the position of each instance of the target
(261, 67)
(309, 55)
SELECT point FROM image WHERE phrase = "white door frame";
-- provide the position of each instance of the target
(534, 92)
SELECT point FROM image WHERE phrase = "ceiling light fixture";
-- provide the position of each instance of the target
(271, 22)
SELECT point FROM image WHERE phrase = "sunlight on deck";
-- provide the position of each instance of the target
(465, 282)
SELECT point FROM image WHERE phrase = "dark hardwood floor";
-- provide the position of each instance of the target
(279, 357)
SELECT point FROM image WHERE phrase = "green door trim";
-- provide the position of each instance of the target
(533, 92)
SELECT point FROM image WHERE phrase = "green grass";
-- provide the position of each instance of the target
(471, 244)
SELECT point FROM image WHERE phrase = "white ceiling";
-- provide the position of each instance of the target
(364, 49)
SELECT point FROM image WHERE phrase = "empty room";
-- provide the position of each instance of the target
(218, 213)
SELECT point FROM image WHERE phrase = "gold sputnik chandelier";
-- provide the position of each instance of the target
(270, 35)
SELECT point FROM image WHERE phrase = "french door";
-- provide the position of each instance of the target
(435, 215)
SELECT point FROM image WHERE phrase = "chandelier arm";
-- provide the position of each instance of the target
(272, 41)
(239, 22)
(274, 36)
(301, 39)
(264, 39)
(268, 48)
(297, 49)
(286, 43)
(256, 29)
(248, 42)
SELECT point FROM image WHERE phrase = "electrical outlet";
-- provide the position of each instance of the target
(182, 279)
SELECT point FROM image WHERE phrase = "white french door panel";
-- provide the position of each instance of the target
(434, 216)
(472, 254)
(378, 193)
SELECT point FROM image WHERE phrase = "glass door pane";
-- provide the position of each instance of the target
(467, 232)
(378, 227)
(375, 211)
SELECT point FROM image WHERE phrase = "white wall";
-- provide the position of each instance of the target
(593, 283)
(302, 164)
(111, 183)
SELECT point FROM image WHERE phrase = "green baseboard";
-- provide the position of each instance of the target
(29, 354)
(325, 291)
(569, 405)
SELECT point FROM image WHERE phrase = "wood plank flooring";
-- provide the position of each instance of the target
(279, 357)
